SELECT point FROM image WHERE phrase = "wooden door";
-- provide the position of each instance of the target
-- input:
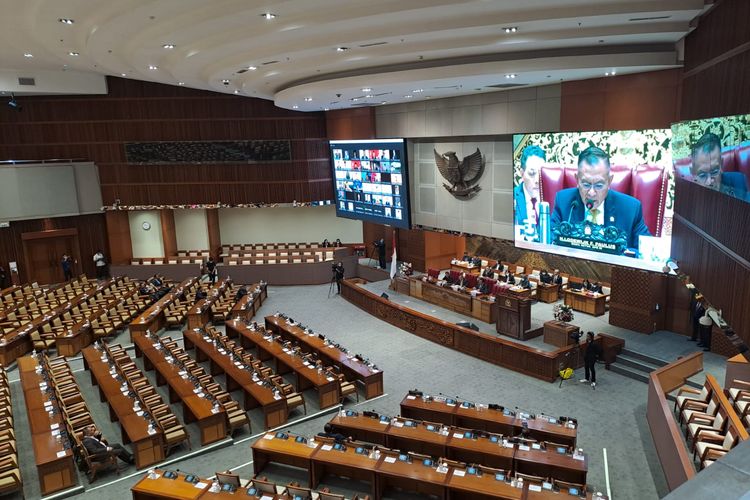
(43, 253)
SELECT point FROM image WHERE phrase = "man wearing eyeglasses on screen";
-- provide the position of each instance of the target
(593, 200)
(706, 168)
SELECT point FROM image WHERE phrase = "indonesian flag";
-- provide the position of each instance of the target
(394, 261)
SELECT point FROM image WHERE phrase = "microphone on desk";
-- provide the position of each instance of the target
(573, 206)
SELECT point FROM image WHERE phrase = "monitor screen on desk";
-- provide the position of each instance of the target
(603, 196)
(371, 180)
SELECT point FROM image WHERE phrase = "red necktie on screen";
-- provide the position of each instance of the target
(536, 214)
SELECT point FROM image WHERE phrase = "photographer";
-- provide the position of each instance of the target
(380, 245)
(338, 274)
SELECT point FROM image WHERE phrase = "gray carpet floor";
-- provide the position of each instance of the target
(611, 418)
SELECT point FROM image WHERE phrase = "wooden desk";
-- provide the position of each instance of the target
(344, 463)
(550, 463)
(54, 463)
(268, 448)
(147, 448)
(305, 375)
(558, 333)
(200, 314)
(74, 342)
(153, 318)
(464, 267)
(479, 307)
(163, 488)
(275, 411)
(413, 476)
(213, 425)
(547, 293)
(485, 419)
(351, 367)
(587, 302)
(475, 487)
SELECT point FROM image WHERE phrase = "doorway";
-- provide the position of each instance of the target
(43, 251)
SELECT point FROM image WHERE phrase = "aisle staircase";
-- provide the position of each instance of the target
(638, 366)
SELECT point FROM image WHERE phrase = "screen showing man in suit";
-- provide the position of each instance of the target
(604, 196)
(714, 153)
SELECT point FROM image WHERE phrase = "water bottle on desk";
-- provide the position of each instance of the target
(545, 227)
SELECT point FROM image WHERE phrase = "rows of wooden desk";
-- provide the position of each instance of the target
(387, 470)
(350, 366)
(305, 374)
(153, 318)
(147, 446)
(275, 409)
(196, 407)
(453, 412)
(55, 462)
(465, 445)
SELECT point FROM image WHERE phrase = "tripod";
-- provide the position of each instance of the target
(330, 287)
(372, 256)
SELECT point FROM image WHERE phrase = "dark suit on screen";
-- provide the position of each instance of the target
(620, 210)
(519, 200)
(734, 184)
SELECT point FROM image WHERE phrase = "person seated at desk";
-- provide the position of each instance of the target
(466, 257)
(329, 433)
(545, 277)
(556, 278)
(326, 243)
(98, 448)
(146, 289)
(200, 295)
(509, 278)
(476, 261)
(586, 285)
(525, 283)
(488, 272)
(338, 243)
(597, 287)
(484, 286)
(240, 293)
(156, 281)
(462, 281)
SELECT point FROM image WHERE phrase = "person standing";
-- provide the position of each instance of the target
(211, 269)
(698, 312)
(101, 265)
(338, 274)
(2, 277)
(67, 267)
(706, 324)
(380, 245)
(592, 354)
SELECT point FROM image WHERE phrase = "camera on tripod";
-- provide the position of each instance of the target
(576, 336)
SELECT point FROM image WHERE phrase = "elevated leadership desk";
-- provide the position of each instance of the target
(480, 306)
(588, 302)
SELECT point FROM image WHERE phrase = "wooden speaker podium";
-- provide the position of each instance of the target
(514, 317)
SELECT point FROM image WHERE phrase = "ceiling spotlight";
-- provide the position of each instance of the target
(326, 109)
(152, 67)
(417, 91)
(74, 54)
(308, 99)
(368, 96)
(225, 81)
(180, 83)
(510, 75)
(123, 74)
(511, 29)
(268, 16)
(168, 46)
(295, 107)
(613, 72)
(66, 21)
(341, 49)
(366, 89)
(252, 68)
(29, 55)
(408, 96)
(355, 99)
(383, 102)
(236, 91)
(606, 73)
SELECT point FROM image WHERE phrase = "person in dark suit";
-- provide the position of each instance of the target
(98, 448)
(525, 283)
(526, 194)
(597, 287)
(484, 286)
(593, 353)
(545, 277)
(509, 278)
(586, 284)
(330, 433)
(556, 278)
(488, 272)
(594, 201)
(707, 168)
(466, 257)
(200, 295)
(240, 293)
(380, 246)
(211, 270)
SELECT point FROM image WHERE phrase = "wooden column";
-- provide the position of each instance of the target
(214, 233)
(118, 237)
(168, 233)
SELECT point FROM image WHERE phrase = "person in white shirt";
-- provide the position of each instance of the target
(101, 265)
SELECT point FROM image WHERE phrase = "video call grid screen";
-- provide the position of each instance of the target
(633, 199)
(370, 180)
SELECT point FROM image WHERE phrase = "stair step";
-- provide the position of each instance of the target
(629, 372)
(645, 358)
(636, 364)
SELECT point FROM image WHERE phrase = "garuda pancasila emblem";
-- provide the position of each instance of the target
(461, 174)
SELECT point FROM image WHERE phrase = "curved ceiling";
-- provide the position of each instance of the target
(319, 54)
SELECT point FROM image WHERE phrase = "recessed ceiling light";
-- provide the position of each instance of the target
(366, 89)
(252, 68)
(383, 102)
(408, 96)
(27, 54)
(355, 98)
(295, 107)
(74, 54)
(168, 46)
(65, 20)
(326, 109)
(428, 97)
(180, 83)
(368, 96)
(510, 29)
(123, 74)
(225, 81)
(417, 91)
(510, 75)
(308, 99)
(613, 72)
(236, 91)
(606, 73)
(341, 49)
(152, 67)
(268, 16)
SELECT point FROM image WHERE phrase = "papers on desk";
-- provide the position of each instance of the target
(535, 487)
(390, 460)
(268, 436)
(237, 363)
(61, 454)
(151, 431)
(197, 390)
(579, 457)
(266, 497)
(398, 424)
(326, 447)
(56, 432)
(330, 379)
(523, 447)
(458, 436)
(411, 397)
(200, 485)
(139, 413)
(459, 472)
(54, 426)
(384, 422)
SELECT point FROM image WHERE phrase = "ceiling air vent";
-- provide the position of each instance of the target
(653, 18)
(506, 85)
(269, 62)
(372, 44)
(27, 81)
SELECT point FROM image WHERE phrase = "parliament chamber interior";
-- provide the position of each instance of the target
(375, 250)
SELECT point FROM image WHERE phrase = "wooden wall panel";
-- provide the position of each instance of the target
(635, 294)
(214, 233)
(91, 237)
(626, 102)
(717, 63)
(354, 123)
(118, 237)
(440, 248)
(95, 128)
(168, 232)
